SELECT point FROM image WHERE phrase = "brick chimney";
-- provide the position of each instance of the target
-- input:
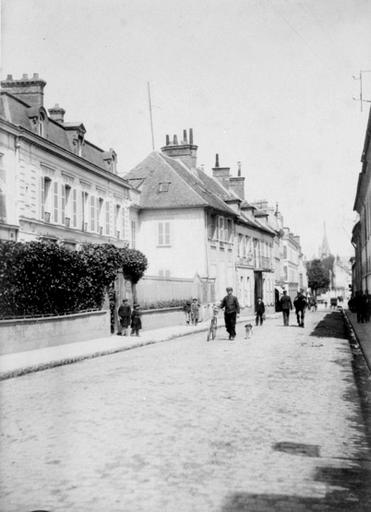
(29, 90)
(237, 183)
(57, 113)
(222, 174)
(185, 151)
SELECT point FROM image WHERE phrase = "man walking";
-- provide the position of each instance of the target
(231, 310)
(260, 310)
(300, 304)
(286, 305)
(124, 314)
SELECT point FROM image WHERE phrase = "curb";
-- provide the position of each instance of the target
(19, 372)
(354, 339)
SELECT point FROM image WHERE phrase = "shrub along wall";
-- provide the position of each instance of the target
(43, 278)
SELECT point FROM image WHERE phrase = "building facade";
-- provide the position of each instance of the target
(54, 183)
(195, 226)
(290, 272)
(361, 236)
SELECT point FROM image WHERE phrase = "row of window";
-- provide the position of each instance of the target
(220, 228)
(257, 251)
(365, 222)
(76, 208)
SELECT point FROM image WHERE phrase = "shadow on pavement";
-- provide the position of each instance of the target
(331, 326)
(337, 501)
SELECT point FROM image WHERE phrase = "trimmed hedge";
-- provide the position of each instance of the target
(40, 278)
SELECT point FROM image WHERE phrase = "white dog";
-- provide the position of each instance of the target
(248, 330)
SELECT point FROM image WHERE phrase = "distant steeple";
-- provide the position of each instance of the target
(324, 250)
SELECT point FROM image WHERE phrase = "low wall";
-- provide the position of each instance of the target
(166, 317)
(32, 333)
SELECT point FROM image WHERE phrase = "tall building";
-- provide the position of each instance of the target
(361, 236)
(54, 183)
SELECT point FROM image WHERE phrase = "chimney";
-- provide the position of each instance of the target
(222, 174)
(29, 90)
(57, 113)
(237, 183)
(186, 151)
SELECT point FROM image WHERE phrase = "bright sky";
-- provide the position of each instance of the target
(265, 82)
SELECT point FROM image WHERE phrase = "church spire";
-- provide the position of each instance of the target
(324, 250)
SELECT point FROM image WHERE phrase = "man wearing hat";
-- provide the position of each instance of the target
(231, 310)
(300, 303)
(124, 314)
(286, 306)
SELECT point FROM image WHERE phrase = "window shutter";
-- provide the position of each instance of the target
(160, 233)
(167, 233)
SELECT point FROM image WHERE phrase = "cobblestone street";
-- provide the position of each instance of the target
(269, 423)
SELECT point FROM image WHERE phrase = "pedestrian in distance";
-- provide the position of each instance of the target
(300, 303)
(187, 312)
(260, 312)
(124, 314)
(213, 324)
(195, 311)
(136, 322)
(286, 306)
(231, 310)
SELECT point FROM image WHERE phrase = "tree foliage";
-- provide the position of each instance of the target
(318, 275)
(38, 278)
(134, 264)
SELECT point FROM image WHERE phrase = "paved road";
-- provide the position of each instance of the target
(269, 423)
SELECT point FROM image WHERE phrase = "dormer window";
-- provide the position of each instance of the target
(163, 186)
(41, 124)
(80, 143)
(110, 160)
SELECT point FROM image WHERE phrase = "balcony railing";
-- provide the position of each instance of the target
(47, 216)
(67, 222)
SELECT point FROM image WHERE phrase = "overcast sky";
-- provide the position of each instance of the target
(265, 82)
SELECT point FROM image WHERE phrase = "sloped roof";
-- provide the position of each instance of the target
(16, 111)
(185, 189)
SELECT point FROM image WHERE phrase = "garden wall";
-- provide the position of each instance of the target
(31, 333)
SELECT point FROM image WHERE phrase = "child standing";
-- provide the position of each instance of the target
(195, 309)
(136, 322)
(213, 324)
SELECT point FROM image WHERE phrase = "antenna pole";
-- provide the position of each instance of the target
(150, 114)
(360, 78)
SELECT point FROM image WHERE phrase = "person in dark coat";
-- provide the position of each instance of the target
(260, 310)
(136, 322)
(187, 312)
(286, 306)
(124, 314)
(300, 304)
(231, 310)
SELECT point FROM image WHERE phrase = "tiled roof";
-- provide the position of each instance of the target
(185, 188)
(16, 112)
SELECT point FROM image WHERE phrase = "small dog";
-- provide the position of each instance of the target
(248, 330)
(213, 324)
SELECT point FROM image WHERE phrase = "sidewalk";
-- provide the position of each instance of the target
(15, 365)
(363, 333)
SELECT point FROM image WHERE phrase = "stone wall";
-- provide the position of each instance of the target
(32, 333)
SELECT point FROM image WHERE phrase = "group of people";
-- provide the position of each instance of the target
(192, 312)
(361, 305)
(300, 305)
(129, 318)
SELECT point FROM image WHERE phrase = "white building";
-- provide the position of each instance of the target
(191, 226)
(55, 184)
